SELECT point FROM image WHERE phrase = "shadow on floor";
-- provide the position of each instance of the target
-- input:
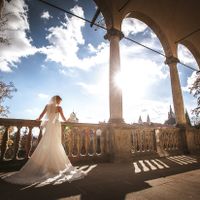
(105, 181)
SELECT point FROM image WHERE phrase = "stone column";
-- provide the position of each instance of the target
(115, 93)
(176, 91)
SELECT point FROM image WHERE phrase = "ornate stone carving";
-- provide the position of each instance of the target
(171, 60)
(113, 32)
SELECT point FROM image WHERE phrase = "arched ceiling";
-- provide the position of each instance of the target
(178, 21)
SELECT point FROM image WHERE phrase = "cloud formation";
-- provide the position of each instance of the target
(64, 40)
(15, 32)
(132, 26)
(45, 15)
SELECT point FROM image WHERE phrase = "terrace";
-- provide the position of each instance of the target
(121, 161)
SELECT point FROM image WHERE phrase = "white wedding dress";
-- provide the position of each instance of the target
(49, 162)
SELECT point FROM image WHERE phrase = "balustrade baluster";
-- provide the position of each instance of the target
(16, 143)
(98, 141)
(134, 137)
(78, 136)
(69, 142)
(87, 140)
(4, 143)
(74, 142)
(102, 143)
(140, 141)
(106, 141)
(154, 148)
(82, 143)
(29, 142)
(95, 143)
(91, 143)
(137, 138)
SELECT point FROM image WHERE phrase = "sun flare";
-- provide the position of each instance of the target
(131, 84)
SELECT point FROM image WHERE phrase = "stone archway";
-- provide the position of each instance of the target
(155, 28)
(171, 60)
(113, 19)
(193, 50)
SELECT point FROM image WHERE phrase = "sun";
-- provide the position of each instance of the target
(131, 83)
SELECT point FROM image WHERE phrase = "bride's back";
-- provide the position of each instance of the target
(52, 112)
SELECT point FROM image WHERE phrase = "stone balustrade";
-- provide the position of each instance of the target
(97, 142)
(193, 140)
(19, 138)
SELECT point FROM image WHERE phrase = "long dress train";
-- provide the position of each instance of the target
(49, 161)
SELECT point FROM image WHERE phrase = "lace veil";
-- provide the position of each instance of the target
(51, 113)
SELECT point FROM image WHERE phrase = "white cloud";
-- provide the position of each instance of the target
(65, 40)
(91, 48)
(45, 15)
(4, 66)
(186, 56)
(190, 81)
(43, 96)
(138, 76)
(158, 111)
(99, 88)
(132, 26)
(15, 32)
(138, 73)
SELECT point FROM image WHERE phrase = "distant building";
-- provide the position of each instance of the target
(148, 122)
(72, 117)
(171, 118)
(140, 120)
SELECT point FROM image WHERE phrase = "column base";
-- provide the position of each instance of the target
(181, 125)
(116, 121)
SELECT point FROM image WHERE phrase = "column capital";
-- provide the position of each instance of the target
(171, 60)
(113, 32)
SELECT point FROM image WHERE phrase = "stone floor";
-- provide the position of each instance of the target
(174, 178)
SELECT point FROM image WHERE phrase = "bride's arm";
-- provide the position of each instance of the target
(42, 114)
(61, 114)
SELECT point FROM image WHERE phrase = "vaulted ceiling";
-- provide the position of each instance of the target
(173, 21)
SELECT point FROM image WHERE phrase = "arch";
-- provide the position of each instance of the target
(104, 7)
(156, 29)
(193, 50)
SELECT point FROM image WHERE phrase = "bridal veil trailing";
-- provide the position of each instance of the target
(49, 162)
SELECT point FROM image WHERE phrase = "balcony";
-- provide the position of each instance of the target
(102, 142)
(121, 161)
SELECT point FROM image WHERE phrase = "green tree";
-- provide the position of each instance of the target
(5, 89)
(5, 92)
(187, 118)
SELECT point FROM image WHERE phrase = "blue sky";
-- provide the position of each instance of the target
(53, 53)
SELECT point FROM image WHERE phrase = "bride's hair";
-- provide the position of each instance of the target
(55, 99)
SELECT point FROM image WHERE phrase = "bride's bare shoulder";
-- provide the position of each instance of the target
(59, 108)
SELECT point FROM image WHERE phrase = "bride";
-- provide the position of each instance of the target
(49, 162)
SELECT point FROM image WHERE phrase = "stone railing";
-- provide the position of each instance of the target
(96, 142)
(143, 140)
(193, 140)
(19, 138)
(150, 140)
